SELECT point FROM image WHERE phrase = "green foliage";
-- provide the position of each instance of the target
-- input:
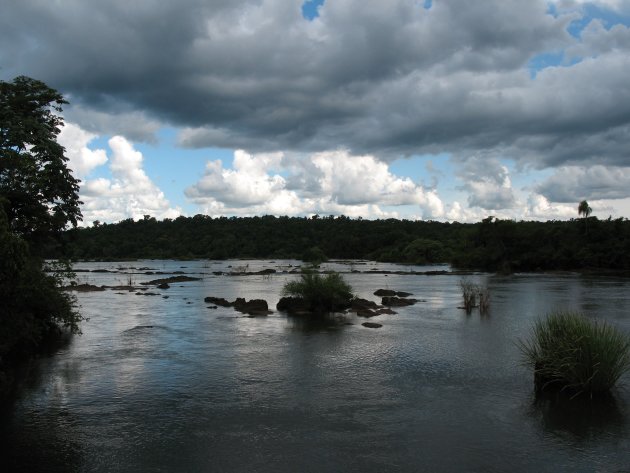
(425, 251)
(314, 255)
(38, 199)
(571, 352)
(321, 294)
(40, 193)
(33, 304)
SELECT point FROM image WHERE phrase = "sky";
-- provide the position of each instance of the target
(447, 110)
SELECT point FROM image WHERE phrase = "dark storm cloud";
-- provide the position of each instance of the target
(388, 78)
(572, 184)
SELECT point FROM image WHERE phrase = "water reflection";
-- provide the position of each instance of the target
(582, 418)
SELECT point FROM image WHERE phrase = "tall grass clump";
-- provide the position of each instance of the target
(570, 352)
(475, 296)
(321, 294)
(469, 291)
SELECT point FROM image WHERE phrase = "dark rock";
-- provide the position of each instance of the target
(212, 307)
(367, 313)
(164, 297)
(83, 288)
(218, 301)
(171, 279)
(385, 311)
(163, 286)
(371, 325)
(254, 307)
(390, 293)
(292, 305)
(363, 304)
(393, 301)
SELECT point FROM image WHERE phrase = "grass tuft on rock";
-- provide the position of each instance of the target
(571, 352)
(321, 294)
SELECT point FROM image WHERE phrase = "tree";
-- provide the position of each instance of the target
(38, 198)
(584, 209)
(40, 194)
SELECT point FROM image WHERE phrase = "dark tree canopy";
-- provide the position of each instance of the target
(40, 195)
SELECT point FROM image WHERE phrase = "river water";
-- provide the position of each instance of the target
(168, 384)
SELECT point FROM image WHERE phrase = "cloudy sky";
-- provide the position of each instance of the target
(443, 110)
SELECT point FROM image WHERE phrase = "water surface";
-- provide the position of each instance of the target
(168, 384)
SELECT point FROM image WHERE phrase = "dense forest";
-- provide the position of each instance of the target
(492, 244)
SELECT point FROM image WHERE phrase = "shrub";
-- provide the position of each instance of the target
(320, 294)
(570, 352)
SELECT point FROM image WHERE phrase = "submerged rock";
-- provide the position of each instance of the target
(389, 292)
(83, 288)
(371, 325)
(170, 280)
(393, 301)
(218, 301)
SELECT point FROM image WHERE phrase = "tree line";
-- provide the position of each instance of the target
(491, 245)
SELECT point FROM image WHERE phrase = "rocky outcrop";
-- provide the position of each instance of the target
(253, 308)
(367, 309)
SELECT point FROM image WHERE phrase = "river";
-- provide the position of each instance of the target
(166, 384)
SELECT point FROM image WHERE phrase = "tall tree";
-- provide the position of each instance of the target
(40, 194)
(38, 198)
(585, 210)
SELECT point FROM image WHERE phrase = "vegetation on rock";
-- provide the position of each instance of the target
(320, 294)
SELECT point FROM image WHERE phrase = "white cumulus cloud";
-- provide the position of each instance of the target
(81, 159)
(130, 193)
(332, 182)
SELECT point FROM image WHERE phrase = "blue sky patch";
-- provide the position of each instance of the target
(549, 59)
(609, 18)
(310, 9)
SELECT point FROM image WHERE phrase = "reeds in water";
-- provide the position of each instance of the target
(571, 352)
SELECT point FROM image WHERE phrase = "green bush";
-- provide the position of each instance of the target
(321, 294)
(570, 352)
